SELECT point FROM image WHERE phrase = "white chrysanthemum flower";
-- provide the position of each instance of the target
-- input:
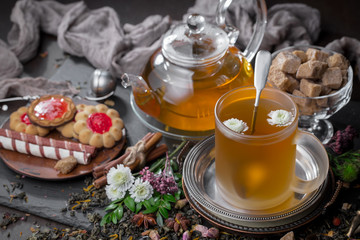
(141, 190)
(121, 177)
(280, 118)
(113, 192)
(236, 125)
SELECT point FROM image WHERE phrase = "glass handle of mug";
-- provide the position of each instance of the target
(310, 147)
(233, 33)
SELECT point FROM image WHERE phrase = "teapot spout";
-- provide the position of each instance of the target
(144, 96)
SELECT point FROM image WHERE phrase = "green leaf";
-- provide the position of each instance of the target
(178, 194)
(157, 203)
(152, 201)
(174, 165)
(164, 212)
(169, 198)
(130, 203)
(177, 175)
(159, 171)
(159, 219)
(166, 205)
(105, 219)
(147, 204)
(111, 206)
(138, 207)
(156, 195)
(114, 218)
(150, 210)
(119, 212)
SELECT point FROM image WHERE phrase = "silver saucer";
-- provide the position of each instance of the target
(200, 189)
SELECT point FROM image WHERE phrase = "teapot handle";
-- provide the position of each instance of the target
(259, 27)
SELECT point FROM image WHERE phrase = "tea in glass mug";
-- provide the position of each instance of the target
(256, 170)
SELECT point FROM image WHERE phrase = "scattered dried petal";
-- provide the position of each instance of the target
(181, 203)
(336, 221)
(346, 206)
(288, 236)
(201, 228)
(330, 233)
(212, 233)
(154, 235)
(186, 235)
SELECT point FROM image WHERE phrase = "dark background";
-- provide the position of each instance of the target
(338, 18)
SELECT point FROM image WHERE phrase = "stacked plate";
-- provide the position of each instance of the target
(200, 189)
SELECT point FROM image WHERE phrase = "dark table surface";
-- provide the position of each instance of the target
(46, 198)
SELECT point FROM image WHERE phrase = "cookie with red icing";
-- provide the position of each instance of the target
(19, 121)
(98, 126)
(51, 111)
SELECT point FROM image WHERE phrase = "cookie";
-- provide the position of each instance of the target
(19, 121)
(98, 126)
(51, 111)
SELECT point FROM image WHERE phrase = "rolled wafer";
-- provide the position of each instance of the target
(45, 147)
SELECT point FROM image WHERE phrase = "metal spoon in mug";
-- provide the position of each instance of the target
(262, 65)
(102, 85)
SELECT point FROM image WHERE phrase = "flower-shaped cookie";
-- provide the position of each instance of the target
(98, 126)
(67, 130)
(19, 121)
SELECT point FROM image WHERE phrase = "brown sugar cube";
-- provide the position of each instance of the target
(322, 102)
(344, 73)
(310, 108)
(344, 82)
(324, 90)
(280, 79)
(338, 60)
(300, 54)
(306, 106)
(311, 69)
(66, 165)
(332, 78)
(293, 84)
(316, 55)
(310, 88)
(287, 62)
(300, 101)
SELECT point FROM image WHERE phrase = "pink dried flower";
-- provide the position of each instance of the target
(212, 233)
(207, 232)
(163, 183)
(186, 235)
(343, 140)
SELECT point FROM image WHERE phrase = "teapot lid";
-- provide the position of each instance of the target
(195, 43)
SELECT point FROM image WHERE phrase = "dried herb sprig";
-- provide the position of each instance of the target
(346, 166)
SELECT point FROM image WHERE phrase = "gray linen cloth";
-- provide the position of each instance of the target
(34, 86)
(98, 35)
(287, 25)
(349, 47)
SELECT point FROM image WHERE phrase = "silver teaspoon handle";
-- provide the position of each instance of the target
(262, 65)
(24, 98)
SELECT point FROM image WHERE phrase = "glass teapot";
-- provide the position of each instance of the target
(196, 64)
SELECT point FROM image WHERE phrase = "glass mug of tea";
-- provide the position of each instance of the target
(256, 170)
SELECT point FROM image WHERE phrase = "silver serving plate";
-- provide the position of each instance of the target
(200, 189)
